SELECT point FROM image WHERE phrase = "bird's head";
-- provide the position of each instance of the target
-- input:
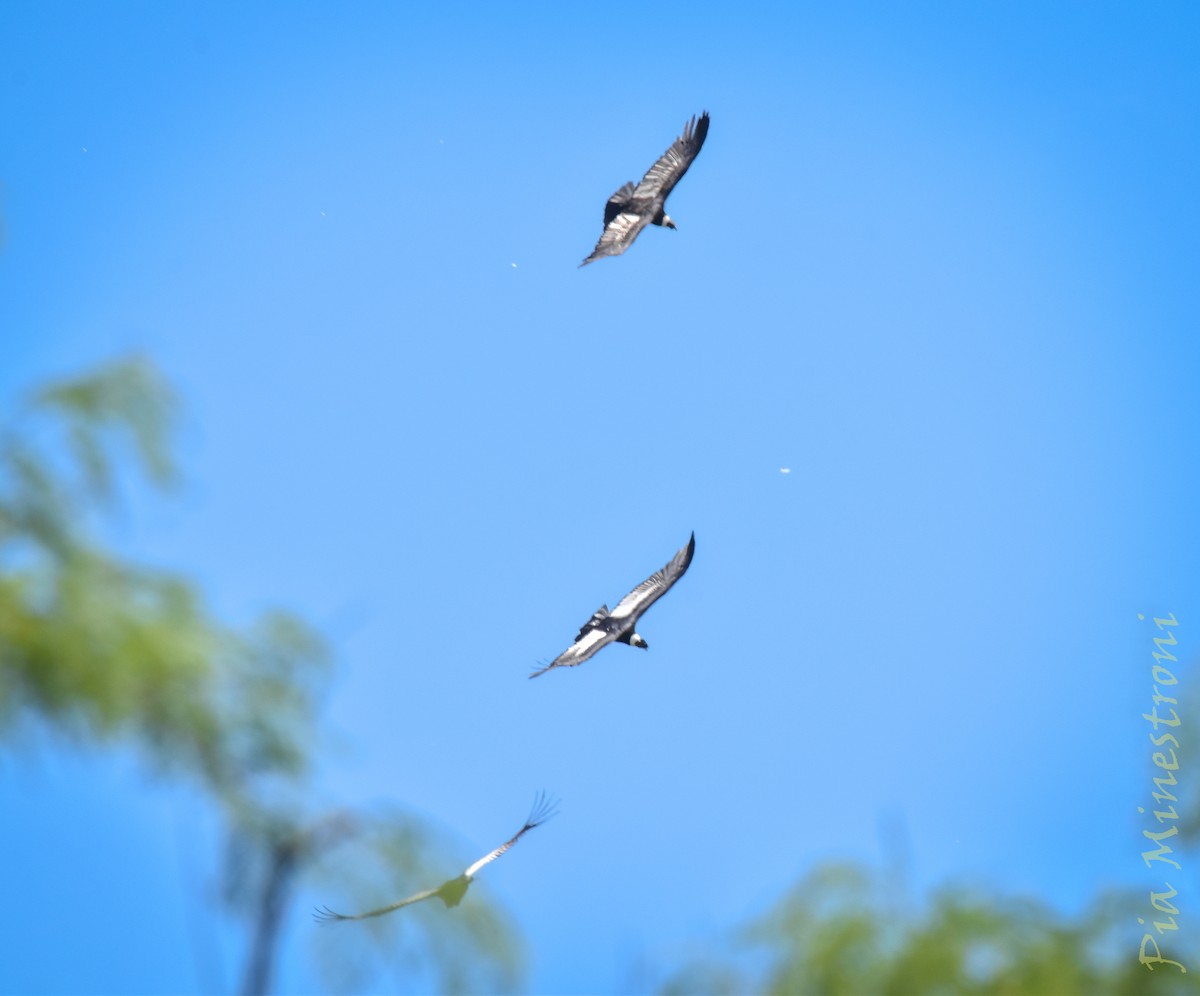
(667, 222)
(637, 641)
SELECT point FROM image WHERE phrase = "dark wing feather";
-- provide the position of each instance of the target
(589, 640)
(543, 808)
(619, 233)
(617, 202)
(656, 585)
(660, 179)
(326, 915)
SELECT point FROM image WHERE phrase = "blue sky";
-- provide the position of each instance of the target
(938, 260)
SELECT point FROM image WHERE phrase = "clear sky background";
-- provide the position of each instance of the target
(939, 260)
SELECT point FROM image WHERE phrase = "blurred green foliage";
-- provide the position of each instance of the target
(101, 649)
(839, 933)
(100, 646)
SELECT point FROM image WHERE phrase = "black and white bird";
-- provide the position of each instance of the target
(632, 208)
(452, 891)
(619, 626)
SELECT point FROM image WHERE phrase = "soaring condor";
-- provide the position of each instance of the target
(632, 208)
(451, 892)
(619, 625)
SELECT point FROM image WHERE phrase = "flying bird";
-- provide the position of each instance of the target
(632, 208)
(452, 891)
(619, 625)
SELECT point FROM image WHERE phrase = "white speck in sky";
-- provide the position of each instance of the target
(785, 470)
(85, 149)
(514, 266)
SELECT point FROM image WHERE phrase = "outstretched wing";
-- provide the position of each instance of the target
(452, 891)
(325, 915)
(661, 178)
(619, 233)
(656, 585)
(543, 808)
(586, 644)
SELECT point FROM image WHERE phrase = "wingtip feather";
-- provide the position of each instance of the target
(544, 807)
(323, 914)
(689, 550)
